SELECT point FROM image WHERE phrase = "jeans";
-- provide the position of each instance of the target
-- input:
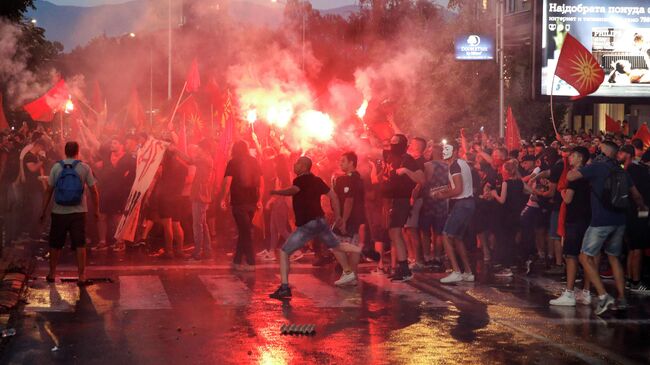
(460, 214)
(315, 228)
(200, 229)
(530, 219)
(609, 236)
(243, 215)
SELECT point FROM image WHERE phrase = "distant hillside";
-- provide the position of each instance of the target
(74, 25)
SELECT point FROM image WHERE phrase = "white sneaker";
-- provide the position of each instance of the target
(505, 273)
(262, 253)
(346, 279)
(583, 297)
(567, 299)
(268, 257)
(454, 277)
(468, 276)
(296, 256)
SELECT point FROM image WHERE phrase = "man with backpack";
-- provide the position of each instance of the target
(611, 188)
(66, 183)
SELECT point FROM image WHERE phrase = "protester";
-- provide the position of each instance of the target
(66, 184)
(461, 208)
(201, 197)
(576, 197)
(637, 231)
(306, 193)
(350, 192)
(607, 225)
(241, 190)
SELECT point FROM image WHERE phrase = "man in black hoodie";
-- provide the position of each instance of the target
(401, 178)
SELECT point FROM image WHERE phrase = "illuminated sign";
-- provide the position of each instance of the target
(474, 47)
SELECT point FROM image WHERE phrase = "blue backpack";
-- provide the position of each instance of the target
(69, 188)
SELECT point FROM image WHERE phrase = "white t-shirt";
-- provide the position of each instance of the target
(461, 167)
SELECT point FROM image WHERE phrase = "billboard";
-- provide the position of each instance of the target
(617, 32)
(474, 47)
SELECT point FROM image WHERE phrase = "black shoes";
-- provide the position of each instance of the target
(281, 293)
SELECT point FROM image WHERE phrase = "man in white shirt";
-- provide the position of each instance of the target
(461, 208)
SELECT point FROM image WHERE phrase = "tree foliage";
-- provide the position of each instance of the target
(14, 10)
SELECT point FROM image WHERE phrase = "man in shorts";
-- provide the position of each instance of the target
(607, 226)
(350, 192)
(69, 218)
(306, 193)
(461, 208)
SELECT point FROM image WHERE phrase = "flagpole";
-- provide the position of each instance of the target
(178, 102)
(553, 114)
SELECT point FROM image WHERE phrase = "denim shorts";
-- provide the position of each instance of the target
(459, 217)
(553, 225)
(314, 229)
(596, 237)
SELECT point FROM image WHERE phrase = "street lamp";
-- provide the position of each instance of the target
(304, 26)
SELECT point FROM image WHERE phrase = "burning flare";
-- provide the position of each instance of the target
(69, 106)
(361, 112)
(316, 125)
(251, 116)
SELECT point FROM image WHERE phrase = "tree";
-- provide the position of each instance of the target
(14, 10)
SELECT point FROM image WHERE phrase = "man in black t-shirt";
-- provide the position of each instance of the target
(636, 229)
(306, 193)
(244, 181)
(402, 177)
(577, 197)
(350, 192)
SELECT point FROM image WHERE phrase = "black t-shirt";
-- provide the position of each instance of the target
(401, 186)
(556, 173)
(351, 186)
(174, 173)
(117, 180)
(579, 210)
(245, 186)
(641, 178)
(306, 203)
(515, 200)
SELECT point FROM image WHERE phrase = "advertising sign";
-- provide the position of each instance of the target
(617, 32)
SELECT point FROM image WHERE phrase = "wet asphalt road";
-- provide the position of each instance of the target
(171, 312)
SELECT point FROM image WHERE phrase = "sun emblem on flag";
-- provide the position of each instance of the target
(587, 71)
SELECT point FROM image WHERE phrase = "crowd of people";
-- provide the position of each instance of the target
(407, 204)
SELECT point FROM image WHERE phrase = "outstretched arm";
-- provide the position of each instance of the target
(290, 191)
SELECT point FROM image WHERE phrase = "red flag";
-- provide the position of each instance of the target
(612, 125)
(135, 111)
(193, 79)
(43, 108)
(643, 134)
(3, 120)
(189, 107)
(382, 130)
(513, 138)
(579, 68)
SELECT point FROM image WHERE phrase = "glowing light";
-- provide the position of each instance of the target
(280, 115)
(69, 106)
(132, 35)
(361, 112)
(316, 125)
(251, 116)
(444, 141)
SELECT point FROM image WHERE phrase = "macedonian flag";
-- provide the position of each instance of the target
(579, 68)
